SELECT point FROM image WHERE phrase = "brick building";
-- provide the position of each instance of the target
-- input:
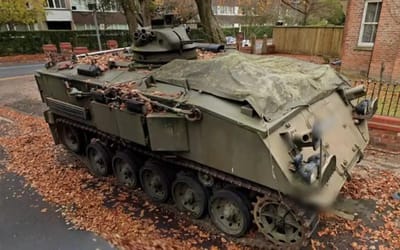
(371, 39)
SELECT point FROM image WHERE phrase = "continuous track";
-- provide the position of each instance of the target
(308, 218)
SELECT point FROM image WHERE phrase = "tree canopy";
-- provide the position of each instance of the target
(317, 11)
(135, 11)
(14, 12)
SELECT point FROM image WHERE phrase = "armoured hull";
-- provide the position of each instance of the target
(279, 132)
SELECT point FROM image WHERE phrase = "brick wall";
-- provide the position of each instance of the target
(385, 133)
(396, 67)
(355, 60)
(387, 43)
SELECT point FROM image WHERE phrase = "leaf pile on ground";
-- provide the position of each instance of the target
(130, 221)
(382, 228)
(23, 58)
(93, 204)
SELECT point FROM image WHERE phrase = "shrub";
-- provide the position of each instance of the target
(259, 31)
(30, 42)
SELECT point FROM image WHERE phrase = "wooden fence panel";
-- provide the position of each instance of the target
(325, 41)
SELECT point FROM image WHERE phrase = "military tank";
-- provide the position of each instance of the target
(243, 139)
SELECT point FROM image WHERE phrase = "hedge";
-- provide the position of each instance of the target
(259, 31)
(30, 42)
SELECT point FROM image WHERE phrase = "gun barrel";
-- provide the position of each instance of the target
(355, 92)
(102, 52)
(214, 47)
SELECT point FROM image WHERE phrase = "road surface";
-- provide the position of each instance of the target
(19, 69)
(27, 222)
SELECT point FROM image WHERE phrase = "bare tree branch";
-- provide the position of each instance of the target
(286, 2)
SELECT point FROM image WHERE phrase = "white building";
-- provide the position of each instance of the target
(76, 15)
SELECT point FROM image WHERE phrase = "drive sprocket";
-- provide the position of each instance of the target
(284, 224)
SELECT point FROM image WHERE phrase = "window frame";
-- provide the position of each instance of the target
(82, 6)
(225, 10)
(54, 4)
(363, 23)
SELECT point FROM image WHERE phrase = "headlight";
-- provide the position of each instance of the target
(365, 109)
(307, 170)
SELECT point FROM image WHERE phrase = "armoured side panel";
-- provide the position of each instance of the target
(104, 118)
(167, 132)
(227, 146)
(130, 126)
(54, 87)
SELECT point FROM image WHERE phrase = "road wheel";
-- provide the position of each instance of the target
(99, 159)
(190, 196)
(126, 169)
(155, 181)
(229, 212)
(72, 138)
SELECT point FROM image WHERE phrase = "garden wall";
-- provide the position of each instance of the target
(385, 132)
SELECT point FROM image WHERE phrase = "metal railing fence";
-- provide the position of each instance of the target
(388, 95)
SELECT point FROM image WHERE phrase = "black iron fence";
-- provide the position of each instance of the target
(388, 95)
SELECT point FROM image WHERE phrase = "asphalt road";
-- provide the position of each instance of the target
(19, 69)
(27, 222)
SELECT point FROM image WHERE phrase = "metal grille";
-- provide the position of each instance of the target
(388, 95)
(67, 108)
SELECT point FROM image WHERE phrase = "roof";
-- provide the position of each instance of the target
(271, 85)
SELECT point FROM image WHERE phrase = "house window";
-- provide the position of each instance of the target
(369, 25)
(55, 4)
(102, 6)
(225, 10)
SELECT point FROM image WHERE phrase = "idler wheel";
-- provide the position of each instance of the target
(155, 181)
(72, 138)
(126, 169)
(190, 196)
(229, 212)
(279, 223)
(99, 159)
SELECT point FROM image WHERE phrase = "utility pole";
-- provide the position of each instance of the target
(93, 6)
(97, 28)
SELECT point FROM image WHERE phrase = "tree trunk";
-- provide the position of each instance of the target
(145, 11)
(209, 22)
(305, 19)
(307, 11)
(130, 14)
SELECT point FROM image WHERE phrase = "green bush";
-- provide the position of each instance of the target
(30, 42)
(259, 31)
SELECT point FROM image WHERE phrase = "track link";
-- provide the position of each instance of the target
(310, 219)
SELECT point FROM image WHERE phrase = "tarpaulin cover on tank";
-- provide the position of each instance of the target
(271, 85)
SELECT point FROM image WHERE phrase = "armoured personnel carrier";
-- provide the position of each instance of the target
(241, 138)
